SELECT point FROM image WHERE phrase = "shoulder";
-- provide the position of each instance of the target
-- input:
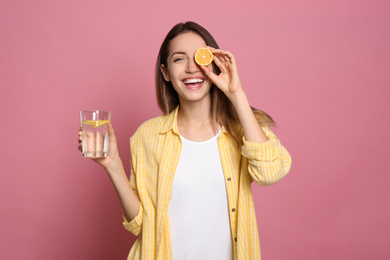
(150, 127)
(153, 127)
(147, 138)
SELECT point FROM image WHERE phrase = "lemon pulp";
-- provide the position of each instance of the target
(95, 123)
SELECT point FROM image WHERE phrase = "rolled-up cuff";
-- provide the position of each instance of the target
(134, 226)
(267, 151)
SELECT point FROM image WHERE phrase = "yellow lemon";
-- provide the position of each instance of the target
(204, 56)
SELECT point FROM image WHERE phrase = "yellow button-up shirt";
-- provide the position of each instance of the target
(155, 151)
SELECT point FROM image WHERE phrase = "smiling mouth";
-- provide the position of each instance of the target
(193, 83)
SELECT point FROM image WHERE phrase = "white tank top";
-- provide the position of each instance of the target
(198, 207)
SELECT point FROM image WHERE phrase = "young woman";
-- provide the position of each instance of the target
(189, 194)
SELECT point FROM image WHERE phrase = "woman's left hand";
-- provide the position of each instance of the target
(228, 80)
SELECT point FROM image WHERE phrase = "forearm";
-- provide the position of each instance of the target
(127, 196)
(252, 129)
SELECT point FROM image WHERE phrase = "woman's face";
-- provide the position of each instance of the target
(186, 76)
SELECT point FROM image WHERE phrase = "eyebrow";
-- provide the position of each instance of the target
(177, 52)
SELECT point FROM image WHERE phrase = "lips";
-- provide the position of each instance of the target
(193, 83)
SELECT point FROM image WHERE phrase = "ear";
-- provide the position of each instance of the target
(165, 73)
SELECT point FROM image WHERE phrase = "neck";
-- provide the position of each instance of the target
(195, 113)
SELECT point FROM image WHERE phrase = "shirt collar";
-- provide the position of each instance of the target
(224, 130)
(171, 122)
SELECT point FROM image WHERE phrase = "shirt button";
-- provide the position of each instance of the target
(235, 239)
(229, 179)
(233, 209)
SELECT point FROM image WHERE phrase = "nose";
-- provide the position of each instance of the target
(192, 66)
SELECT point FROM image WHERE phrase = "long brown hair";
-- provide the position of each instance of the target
(222, 109)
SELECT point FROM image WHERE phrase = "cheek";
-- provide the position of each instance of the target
(174, 71)
(175, 82)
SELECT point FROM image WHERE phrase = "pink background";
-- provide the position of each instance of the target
(320, 68)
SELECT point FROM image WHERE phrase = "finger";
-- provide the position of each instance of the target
(80, 136)
(214, 50)
(230, 56)
(80, 148)
(225, 58)
(210, 74)
(217, 52)
(227, 55)
(111, 133)
(219, 62)
(218, 59)
(221, 54)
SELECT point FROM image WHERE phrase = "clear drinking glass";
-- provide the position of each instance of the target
(95, 136)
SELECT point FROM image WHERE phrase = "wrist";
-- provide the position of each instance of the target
(238, 98)
(115, 166)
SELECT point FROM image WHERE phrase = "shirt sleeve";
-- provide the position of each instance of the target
(134, 226)
(268, 162)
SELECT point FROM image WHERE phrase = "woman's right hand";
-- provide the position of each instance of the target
(112, 160)
(114, 167)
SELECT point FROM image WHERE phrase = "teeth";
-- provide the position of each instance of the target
(188, 81)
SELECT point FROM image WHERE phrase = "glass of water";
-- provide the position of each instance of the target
(95, 136)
